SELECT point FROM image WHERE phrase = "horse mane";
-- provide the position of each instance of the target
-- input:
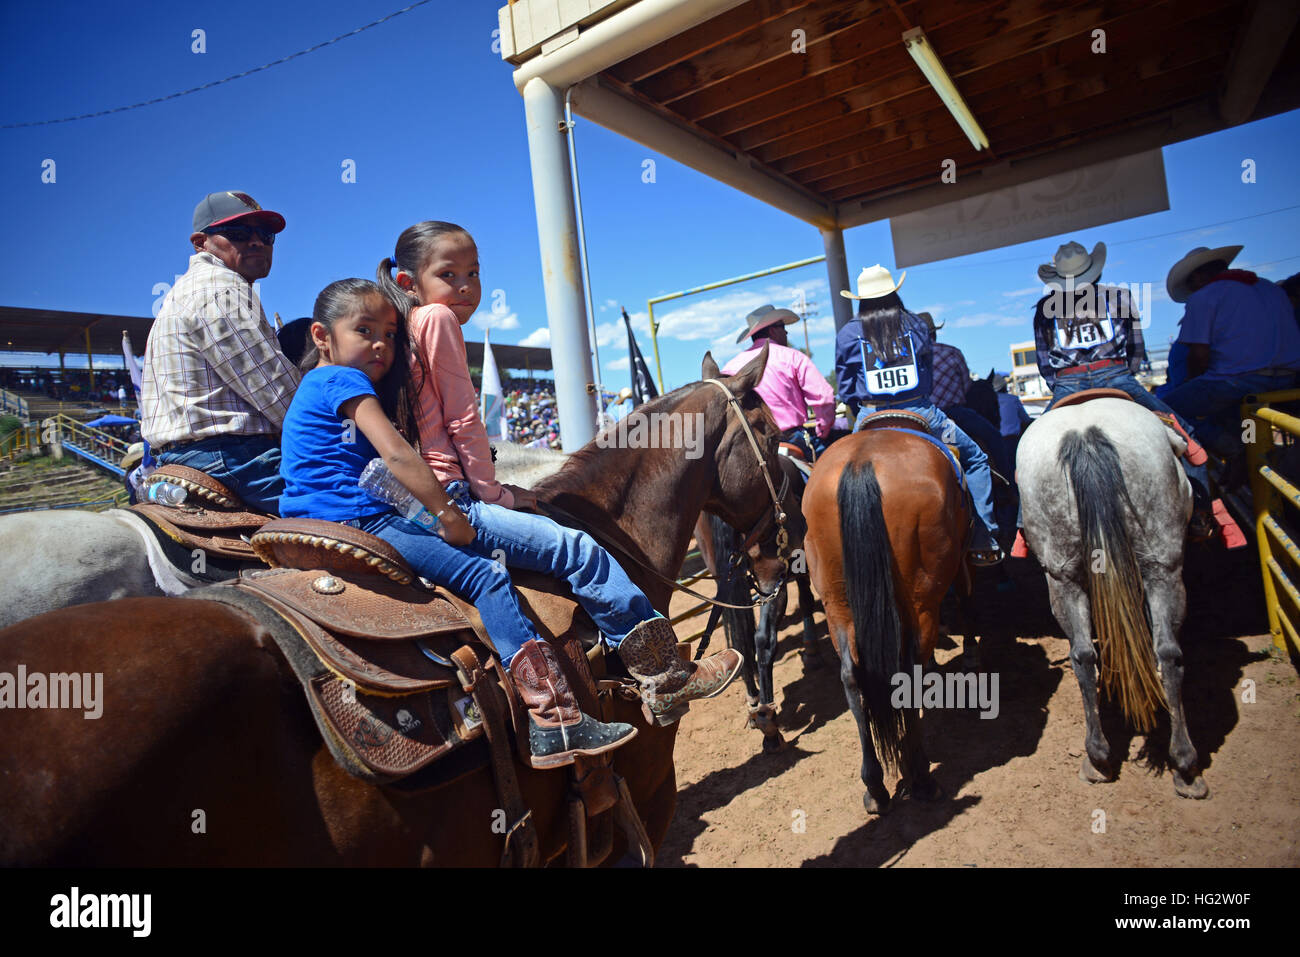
(578, 471)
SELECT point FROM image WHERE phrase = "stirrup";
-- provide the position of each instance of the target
(987, 556)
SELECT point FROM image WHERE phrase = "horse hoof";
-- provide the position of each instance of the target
(772, 743)
(874, 806)
(1088, 773)
(752, 701)
(926, 790)
(1197, 789)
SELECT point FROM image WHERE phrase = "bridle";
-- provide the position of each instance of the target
(776, 515)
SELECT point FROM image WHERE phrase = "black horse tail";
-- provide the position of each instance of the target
(1115, 592)
(869, 587)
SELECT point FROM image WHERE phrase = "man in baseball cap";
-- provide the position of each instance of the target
(215, 385)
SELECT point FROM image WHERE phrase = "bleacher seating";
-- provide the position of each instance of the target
(23, 486)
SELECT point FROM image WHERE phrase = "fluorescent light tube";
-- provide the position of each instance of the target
(919, 47)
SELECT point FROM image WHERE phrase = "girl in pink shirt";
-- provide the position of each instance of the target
(437, 274)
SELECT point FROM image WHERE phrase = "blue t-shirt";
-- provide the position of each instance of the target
(1247, 327)
(321, 456)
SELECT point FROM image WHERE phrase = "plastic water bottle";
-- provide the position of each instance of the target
(165, 493)
(383, 485)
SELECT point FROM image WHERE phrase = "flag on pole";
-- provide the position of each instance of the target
(643, 386)
(132, 364)
(493, 407)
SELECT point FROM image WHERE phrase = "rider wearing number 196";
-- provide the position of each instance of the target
(883, 361)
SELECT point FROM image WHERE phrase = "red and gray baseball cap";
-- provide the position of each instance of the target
(231, 206)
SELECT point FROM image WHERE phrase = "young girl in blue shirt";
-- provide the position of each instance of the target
(352, 406)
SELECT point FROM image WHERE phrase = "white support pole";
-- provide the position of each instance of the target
(837, 272)
(557, 233)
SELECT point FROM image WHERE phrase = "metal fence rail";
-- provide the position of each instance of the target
(1270, 496)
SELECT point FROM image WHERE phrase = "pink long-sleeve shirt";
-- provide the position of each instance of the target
(453, 439)
(790, 386)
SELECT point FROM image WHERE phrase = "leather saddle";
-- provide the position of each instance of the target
(915, 422)
(399, 676)
(211, 518)
(1078, 398)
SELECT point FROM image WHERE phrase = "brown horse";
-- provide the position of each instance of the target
(206, 753)
(887, 527)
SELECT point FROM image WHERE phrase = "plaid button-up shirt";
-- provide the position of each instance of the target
(951, 376)
(213, 366)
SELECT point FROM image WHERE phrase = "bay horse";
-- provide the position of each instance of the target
(888, 523)
(1106, 506)
(205, 752)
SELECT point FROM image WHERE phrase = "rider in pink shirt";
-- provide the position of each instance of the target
(791, 384)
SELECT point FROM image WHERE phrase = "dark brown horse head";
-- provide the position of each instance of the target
(739, 478)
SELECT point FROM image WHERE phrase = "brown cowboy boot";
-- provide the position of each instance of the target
(669, 684)
(557, 730)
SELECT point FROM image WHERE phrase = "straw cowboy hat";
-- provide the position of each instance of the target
(874, 282)
(1177, 285)
(133, 456)
(765, 316)
(1074, 264)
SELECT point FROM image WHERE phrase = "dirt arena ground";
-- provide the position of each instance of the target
(1013, 795)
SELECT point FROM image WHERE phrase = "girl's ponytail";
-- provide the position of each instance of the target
(401, 299)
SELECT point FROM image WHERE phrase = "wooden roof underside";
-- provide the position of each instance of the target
(853, 119)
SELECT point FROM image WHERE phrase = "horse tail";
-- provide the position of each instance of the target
(1115, 591)
(869, 588)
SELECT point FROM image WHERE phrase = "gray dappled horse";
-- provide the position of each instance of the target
(51, 559)
(1105, 511)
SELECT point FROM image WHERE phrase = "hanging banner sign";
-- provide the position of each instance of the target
(1086, 197)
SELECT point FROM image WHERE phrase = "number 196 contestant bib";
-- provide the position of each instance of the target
(900, 376)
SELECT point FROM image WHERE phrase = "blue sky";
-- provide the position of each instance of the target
(429, 115)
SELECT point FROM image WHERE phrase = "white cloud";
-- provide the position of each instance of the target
(622, 362)
(608, 304)
(487, 319)
(989, 318)
(538, 337)
(1036, 291)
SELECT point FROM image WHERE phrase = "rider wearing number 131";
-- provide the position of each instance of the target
(883, 361)
(1089, 336)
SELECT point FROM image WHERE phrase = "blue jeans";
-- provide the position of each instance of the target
(479, 581)
(1212, 404)
(248, 465)
(973, 461)
(1119, 377)
(535, 542)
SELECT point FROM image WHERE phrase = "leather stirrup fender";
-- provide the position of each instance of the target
(482, 682)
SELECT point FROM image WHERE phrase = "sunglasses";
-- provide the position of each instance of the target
(242, 234)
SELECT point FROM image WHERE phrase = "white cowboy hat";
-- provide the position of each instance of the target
(1198, 257)
(1074, 264)
(874, 282)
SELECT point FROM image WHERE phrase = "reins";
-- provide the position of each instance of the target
(777, 514)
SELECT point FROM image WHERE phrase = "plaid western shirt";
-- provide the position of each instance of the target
(951, 376)
(213, 366)
(1060, 347)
